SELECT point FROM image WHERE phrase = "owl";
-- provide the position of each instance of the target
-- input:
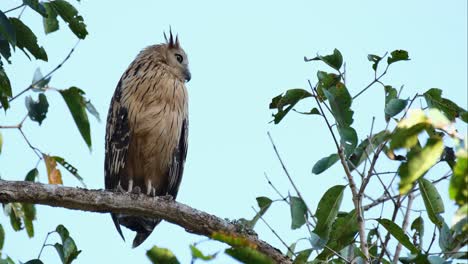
(147, 128)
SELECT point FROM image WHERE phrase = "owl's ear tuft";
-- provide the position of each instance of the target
(171, 42)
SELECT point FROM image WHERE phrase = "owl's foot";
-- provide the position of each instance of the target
(136, 190)
(120, 189)
(168, 197)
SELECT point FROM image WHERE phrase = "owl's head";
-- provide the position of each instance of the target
(176, 57)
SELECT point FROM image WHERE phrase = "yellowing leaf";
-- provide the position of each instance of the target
(54, 175)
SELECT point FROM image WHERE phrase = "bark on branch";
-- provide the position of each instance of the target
(192, 220)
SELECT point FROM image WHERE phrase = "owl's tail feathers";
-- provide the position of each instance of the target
(117, 225)
(140, 238)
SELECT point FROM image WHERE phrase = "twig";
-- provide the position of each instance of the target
(384, 199)
(404, 226)
(289, 176)
(44, 244)
(13, 9)
(352, 185)
(325, 246)
(37, 151)
(387, 237)
(432, 240)
(373, 82)
(274, 232)
(274, 188)
(45, 76)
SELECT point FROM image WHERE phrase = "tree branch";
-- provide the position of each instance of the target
(100, 201)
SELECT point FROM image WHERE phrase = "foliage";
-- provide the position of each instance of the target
(413, 139)
(16, 35)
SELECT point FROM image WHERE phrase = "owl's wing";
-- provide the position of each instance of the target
(178, 160)
(117, 143)
(117, 140)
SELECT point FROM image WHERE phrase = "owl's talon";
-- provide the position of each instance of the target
(136, 190)
(120, 189)
(168, 197)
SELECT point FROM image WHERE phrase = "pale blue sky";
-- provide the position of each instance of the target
(241, 55)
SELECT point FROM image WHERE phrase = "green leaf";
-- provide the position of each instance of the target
(70, 168)
(344, 229)
(7, 31)
(2, 238)
(395, 106)
(29, 215)
(34, 261)
(324, 163)
(325, 81)
(446, 241)
(398, 55)
(197, 254)
(92, 110)
(15, 211)
(5, 89)
(298, 212)
(73, 96)
(50, 22)
(36, 6)
(340, 103)
(348, 139)
(418, 227)
(248, 255)
(313, 111)
(67, 250)
(159, 255)
(459, 180)
(419, 162)
(327, 210)
(8, 260)
(432, 201)
(39, 81)
(37, 110)
(5, 49)
(26, 40)
(334, 60)
(32, 175)
(408, 129)
(302, 256)
(288, 100)
(263, 203)
(291, 249)
(366, 147)
(434, 99)
(70, 15)
(375, 59)
(399, 234)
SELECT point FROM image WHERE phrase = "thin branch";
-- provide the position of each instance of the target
(357, 197)
(432, 240)
(192, 220)
(45, 76)
(274, 232)
(289, 176)
(14, 8)
(387, 237)
(44, 244)
(274, 188)
(404, 226)
(386, 198)
(376, 79)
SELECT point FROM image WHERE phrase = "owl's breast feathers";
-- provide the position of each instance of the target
(147, 130)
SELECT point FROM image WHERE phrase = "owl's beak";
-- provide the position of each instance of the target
(188, 75)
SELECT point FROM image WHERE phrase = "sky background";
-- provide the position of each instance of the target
(241, 53)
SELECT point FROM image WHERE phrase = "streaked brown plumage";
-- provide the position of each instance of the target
(147, 125)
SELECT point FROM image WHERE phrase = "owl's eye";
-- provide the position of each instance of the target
(179, 58)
